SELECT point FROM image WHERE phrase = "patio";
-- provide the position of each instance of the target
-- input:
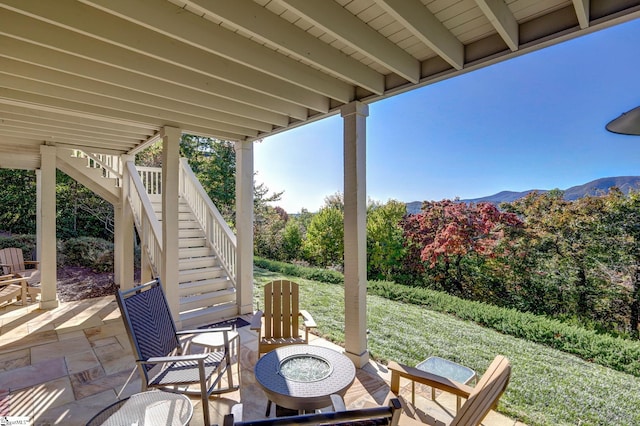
(64, 365)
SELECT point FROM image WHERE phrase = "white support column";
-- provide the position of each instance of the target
(48, 268)
(244, 226)
(123, 233)
(38, 214)
(355, 232)
(170, 175)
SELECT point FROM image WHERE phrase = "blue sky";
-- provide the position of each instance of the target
(533, 122)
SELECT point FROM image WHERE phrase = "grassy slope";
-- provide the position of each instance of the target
(548, 387)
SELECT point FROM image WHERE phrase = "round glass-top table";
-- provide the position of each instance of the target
(149, 408)
(303, 377)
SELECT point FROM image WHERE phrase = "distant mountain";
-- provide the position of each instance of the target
(624, 183)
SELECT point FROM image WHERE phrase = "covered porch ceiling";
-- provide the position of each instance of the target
(109, 74)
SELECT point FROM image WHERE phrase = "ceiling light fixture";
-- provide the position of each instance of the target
(627, 124)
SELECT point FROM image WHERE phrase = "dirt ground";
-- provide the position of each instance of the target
(77, 283)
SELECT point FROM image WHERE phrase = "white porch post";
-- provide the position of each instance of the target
(244, 226)
(123, 233)
(38, 214)
(170, 241)
(355, 232)
(48, 268)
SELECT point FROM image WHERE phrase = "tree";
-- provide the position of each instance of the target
(335, 201)
(447, 232)
(570, 246)
(324, 244)
(17, 196)
(385, 243)
(268, 233)
(625, 214)
(292, 240)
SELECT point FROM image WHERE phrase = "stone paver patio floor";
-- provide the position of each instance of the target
(60, 367)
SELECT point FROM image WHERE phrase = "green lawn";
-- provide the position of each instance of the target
(547, 387)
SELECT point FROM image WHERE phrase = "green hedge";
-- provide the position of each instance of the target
(315, 274)
(613, 352)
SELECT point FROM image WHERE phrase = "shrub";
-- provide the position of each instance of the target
(25, 242)
(94, 253)
(316, 274)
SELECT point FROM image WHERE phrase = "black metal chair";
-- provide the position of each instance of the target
(161, 354)
(372, 416)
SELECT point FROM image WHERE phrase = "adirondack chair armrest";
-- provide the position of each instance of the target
(18, 280)
(32, 262)
(6, 277)
(256, 321)
(308, 319)
(416, 375)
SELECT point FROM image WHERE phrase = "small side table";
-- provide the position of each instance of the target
(148, 408)
(445, 368)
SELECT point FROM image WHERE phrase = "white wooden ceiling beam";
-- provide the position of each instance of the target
(35, 134)
(502, 20)
(66, 126)
(175, 22)
(46, 58)
(114, 115)
(12, 101)
(30, 128)
(11, 160)
(72, 121)
(21, 69)
(270, 28)
(349, 29)
(99, 36)
(19, 145)
(582, 8)
(425, 26)
(18, 122)
(124, 108)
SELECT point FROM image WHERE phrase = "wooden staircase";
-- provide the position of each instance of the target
(207, 292)
(204, 287)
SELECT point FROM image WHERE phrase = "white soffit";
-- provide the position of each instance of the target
(107, 75)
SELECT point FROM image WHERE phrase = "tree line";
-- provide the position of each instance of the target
(574, 260)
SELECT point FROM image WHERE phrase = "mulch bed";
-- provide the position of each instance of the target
(78, 283)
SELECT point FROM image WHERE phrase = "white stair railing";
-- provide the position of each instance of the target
(217, 232)
(151, 179)
(110, 164)
(148, 225)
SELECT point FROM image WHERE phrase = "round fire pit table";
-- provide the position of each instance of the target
(302, 377)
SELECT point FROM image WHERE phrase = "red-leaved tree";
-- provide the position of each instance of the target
(446, 232)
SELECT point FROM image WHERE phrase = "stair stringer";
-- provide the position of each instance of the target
(92, 178)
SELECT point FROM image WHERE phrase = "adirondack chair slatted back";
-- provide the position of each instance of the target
(281, 310)
(485, 394)
(12, 256)
(149, 322)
